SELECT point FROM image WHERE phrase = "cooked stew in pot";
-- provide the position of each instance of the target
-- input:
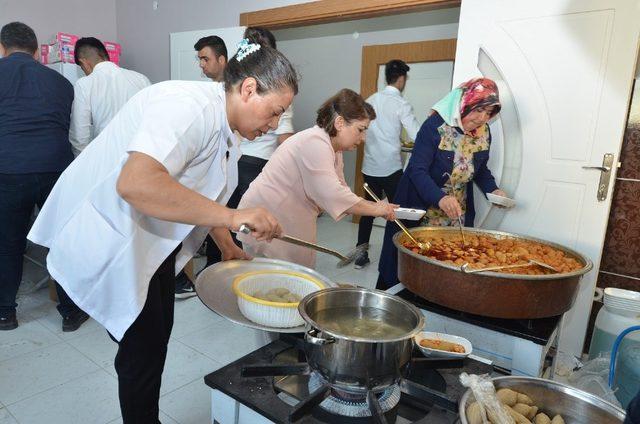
(483, 251)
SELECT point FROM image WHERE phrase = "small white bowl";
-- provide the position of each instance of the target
(410, 214)
(435, 353)
(501, 200)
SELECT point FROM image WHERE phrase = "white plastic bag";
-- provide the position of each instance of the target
(593, 378)
(485, 394)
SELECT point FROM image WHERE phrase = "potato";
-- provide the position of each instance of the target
(542, 419)
(557, 420)
(523, 409)
(518, 417)
(522, 398)
(475, 414)
(281, 291)
(507, 396)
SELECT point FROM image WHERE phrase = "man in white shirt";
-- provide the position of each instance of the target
(99, 95)
(212, 56)
(382, 165)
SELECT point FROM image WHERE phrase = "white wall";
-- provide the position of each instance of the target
(87, 18)
(329, 57)
(144, 32)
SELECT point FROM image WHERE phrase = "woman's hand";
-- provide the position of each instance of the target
(234, 252)
(499, 192)
(264, 226)
(386, 210)
(450, 206)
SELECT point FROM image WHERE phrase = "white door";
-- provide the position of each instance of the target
(184, 59)
(564, 69)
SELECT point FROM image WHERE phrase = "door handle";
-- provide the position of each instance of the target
(599, 168)
(605, 176)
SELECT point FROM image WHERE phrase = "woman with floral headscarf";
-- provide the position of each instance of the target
(450, 154)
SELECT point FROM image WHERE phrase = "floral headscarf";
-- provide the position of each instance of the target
(475, 93)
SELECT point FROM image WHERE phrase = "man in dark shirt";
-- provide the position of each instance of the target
(35, 108)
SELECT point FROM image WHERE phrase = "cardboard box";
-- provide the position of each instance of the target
(61, 48)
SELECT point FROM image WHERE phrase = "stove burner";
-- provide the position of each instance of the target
(348, 404)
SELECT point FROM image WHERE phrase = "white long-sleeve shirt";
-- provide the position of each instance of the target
(382, 147)
(98, 97)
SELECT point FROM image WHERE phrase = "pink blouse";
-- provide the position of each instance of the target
(303, 177)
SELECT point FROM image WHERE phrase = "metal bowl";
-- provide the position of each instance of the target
(491, 294)
(575, 406)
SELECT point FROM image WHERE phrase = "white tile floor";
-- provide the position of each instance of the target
(47, 376)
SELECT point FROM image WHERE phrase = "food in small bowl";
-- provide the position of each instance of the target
(271, 297)
(442, 345)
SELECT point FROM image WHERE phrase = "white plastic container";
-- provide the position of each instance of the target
(620, 312)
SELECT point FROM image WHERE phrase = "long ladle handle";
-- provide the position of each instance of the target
(397, 221)
(245, 229)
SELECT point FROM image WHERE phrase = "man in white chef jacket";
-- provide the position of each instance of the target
(99, 95)
(382, 164)
(137, 203)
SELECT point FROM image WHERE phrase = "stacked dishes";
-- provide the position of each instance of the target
(622, 301)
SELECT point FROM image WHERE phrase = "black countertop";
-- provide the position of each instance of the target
(539, 331)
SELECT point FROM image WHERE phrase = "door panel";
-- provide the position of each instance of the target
(564, 70)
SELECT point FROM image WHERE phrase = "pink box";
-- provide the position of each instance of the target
(114, 50)
(66, 43)
(62, 47)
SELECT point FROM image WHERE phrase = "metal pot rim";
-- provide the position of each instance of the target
(588, 265)
(581, 394)
(312, 323)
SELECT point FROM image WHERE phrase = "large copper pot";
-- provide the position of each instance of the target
(491, 294)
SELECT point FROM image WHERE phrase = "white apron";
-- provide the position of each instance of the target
(103, 252)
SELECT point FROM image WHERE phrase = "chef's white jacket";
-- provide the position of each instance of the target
(97, 99)
(382, 147)
(264, 146)
(103, 251)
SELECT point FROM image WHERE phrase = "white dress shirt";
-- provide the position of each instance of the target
(382, 147)
(103, 252)
(264, 146)
(97, 99)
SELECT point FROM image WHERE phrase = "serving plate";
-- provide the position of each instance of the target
(214, 288)
(410, 214)
(501, 200)
(435, 353)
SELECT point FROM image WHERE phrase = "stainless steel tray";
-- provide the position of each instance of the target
(213, 287)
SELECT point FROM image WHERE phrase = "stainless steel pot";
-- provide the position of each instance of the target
(358, 364)
(491, 294)
(575, 406)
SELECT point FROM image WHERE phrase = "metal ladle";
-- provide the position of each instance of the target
(464, 242)
(344, 259)
(422, 246)
(465, 267)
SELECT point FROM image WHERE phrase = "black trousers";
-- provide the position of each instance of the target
(143, 350)
(249, 167)
(19, 195)
(378, 185)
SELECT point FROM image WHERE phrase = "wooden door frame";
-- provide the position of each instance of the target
(327, 11)
(374, 56)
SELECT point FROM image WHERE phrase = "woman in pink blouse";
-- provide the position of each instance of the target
(305, 176)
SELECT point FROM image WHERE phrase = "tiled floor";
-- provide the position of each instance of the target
(47, 376)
